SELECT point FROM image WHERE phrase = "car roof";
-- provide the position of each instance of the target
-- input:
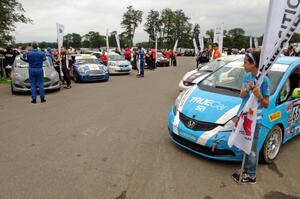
(231, 58)
(85, 56)
(287, 60)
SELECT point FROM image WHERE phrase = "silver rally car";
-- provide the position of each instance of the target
(20, 76)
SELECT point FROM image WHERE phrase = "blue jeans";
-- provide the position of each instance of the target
(251, 161)
(36, 78)
(142, 68)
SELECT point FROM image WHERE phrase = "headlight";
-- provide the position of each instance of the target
(177, 101)
(81, 70)
(229, 126)
(18, 75)
(112, 64)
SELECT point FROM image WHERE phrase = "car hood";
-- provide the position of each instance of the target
(24, 72)
(198, 76)
(88, 67)
(189, 74)
(121, 62)
(210, 107)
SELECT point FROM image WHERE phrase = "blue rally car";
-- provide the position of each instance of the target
(88, 68)
(203, 116)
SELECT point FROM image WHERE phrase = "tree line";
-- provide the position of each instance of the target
(166, 26)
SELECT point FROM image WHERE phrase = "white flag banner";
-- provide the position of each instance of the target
(255, 42)
(60, 36)
(196, 47)
(282, 21)
(107, 42)
(251, 41)
(175, 46)
(201, 42)
(118, 41)
(218, 36)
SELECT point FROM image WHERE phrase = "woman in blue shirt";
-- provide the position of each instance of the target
(251, 64)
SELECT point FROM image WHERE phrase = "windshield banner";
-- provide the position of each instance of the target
(218, 36)
(60, 36)
(196, 47)
(282, 20)
(201, 42)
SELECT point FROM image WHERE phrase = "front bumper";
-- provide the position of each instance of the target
(119, 70)
(95, 77)
(25, 87)
(214, 148)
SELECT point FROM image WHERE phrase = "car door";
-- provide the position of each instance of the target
(289, 106)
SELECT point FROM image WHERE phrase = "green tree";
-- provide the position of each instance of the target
(131, 19)
(210, 34)
(235, 38)
(295, 38)
(93, 40)
(72, 40)
(11, 12)
(182, 29)
(152, 24)
(196, 30)
(167, 20)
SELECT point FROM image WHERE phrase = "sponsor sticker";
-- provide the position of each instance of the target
(188, 136)
(275, 116)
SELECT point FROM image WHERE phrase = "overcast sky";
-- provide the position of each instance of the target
(82, 16)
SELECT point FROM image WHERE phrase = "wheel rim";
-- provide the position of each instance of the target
(274, 143)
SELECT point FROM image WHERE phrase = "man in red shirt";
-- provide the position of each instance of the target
(153, 53)
(174, 58)
(103, 58)
(216, 51)
(127, 54)
(168, 55)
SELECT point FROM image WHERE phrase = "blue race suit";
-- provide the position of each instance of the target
(142, 62)
(35, 59)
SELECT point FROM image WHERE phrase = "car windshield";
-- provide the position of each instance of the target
(159, 55)
(116, 57)
(214, 65)
(22, 64)
(97, 55)
(87, 61)
(228, 79)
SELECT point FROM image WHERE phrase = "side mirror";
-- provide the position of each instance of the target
(296, 93)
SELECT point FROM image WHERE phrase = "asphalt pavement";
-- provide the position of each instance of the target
(110, 140)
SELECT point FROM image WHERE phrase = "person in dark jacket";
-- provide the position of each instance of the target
(65, 69)
(35, 59)
(9, 58)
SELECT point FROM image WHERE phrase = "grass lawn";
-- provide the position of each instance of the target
(5, 81)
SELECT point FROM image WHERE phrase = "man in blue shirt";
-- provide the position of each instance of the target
(251, 63)
(142, 62)
(35, 59)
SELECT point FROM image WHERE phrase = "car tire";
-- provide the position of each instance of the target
(12, 90)
(272, 145)
(75, 77)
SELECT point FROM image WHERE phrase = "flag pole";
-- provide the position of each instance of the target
(242, 168)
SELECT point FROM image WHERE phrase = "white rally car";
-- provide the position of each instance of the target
(117, 64)
(195, 76)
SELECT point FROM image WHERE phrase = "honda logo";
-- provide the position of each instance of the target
(191, 124)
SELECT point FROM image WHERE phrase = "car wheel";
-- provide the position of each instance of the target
(75, 77)
(272, 145)
(12, 89)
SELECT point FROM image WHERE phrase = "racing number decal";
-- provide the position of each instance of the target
(295, 114)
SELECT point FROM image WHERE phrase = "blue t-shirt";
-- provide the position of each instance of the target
(35, 58)
(141, 55)
(265, 90)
